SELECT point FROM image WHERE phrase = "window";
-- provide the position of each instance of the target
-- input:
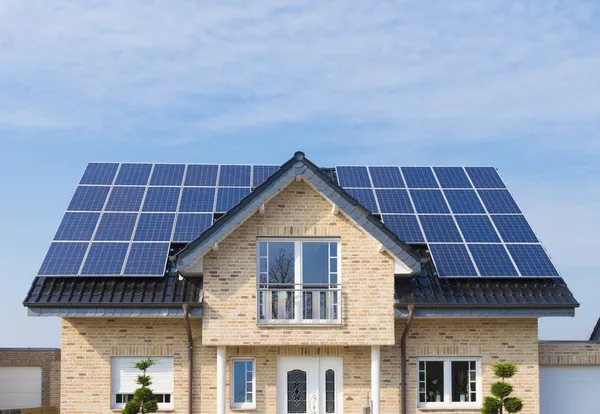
(298, 281)
(243, 379)
(124, 376)
(453, 382)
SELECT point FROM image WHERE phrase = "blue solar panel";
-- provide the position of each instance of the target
(164, 199)
(105, 259)
(492, 260)
(228, 197)
(99, 173)
(133, 174)
(452, 260)
(365, 197)
(88, 198)
(394, 201)
(440, 229)
(260, 173)
(498, 201)
(167, 174)
(116, 227)
(63, 259)
(125, 199)
(234, 176)
(477, 229)
(406, 227)
(452, 177)
(357, 177)
(154, 227)
(200, 200)
(77, 226)
(201, 175)
(485, 177)
(464, 202)
(532, 260)
(190, 226)
(419, 177)
(386, 177)
(147, 259)
(429, 201)
(514, 229)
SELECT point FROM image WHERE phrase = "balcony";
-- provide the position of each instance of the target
(306, 303)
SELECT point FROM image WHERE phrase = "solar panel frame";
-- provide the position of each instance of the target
(89, 198)
(514, 228)
(477, 229)
(154, 227)
(260, 173)
(532, 260)
(105, 259)
(147, 259)
(464, 202)
(234, 176)
(63, 259)
(353, 177)
(99, 173)
(485, 177)
(386, 177)
(115, 227)
(499, 202)
(452, 260)
(197, 200)
(394, 201)
(125, 199)
(201, 175)
(429, 201)
(167, 175)
(227, 197)
(419, 177)
(77, 226)
(190, 225)
(133, 174)
(161, 199)
(440, 228)
(492, 260)
(405, 226)
(366, 197)
(452, 177)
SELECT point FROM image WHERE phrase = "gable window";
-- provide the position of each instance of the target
(243, 391)
(124, 376)
(298, 281)
(449, 382)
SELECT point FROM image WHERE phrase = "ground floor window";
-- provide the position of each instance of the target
(124, 376)
(243, 379)
(449, 382)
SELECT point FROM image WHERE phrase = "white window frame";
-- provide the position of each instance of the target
(298, 276)
(244, 405)
(446, 402)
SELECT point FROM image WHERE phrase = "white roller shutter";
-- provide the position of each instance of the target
(124, 375)
(20, 387)
(569, 389)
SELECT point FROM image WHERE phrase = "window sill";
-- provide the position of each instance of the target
(300, 324)
(243, 408)
(455, 406)
(160, 410)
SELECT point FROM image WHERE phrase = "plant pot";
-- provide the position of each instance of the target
(463, 397)
(438, 398)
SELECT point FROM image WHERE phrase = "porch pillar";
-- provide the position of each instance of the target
(375, 378)
(221, 401)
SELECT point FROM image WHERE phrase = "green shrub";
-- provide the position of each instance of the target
(143, 401)
(501, 390)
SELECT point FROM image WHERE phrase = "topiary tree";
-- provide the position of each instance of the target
(501, 391)
(143, 401)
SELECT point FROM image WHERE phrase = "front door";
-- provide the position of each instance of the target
(309, 385)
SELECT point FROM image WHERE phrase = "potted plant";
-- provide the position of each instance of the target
(501, 391)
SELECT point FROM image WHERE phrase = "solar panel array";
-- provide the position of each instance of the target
(469, 220)
(124, 216)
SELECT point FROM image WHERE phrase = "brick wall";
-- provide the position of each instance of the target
(569, 353)
(48, 360)
(298, 210)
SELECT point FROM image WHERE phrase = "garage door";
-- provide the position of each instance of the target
(569, 389)
(20, 387)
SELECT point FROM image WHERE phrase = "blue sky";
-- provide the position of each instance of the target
(510, 84)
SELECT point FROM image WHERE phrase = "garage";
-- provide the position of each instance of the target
(21, 387)
(569, 388)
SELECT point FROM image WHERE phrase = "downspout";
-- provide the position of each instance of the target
(411, 315)
(188, 327)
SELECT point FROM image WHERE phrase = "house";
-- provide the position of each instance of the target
(296, 289)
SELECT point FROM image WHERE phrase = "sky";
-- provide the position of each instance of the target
(513, 84)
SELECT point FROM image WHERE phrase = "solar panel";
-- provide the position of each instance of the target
(77, 226)
(200, 200)
(452, 177)
(190, 226)
(406, 227)
(492, 260)
(88, 198)
(234, 176)
(105, 259)
(133, 174)
(147, 259)
(440, 229)
(228, 197)
(477, 229)
(154, 227)
(125, 199)
(514, 229)
(167, 174)
(498, 201)
(353, 177)
(532, 260)
(452, 260)
(201, 175)
(116, 227)
(63, 259)
(99, 173)
(429, 201)
(419, 177)
(394, 201)
(464, 202)
(365, 197)
(162, 199)
(260, 173)
(386, 177)
(485, 177)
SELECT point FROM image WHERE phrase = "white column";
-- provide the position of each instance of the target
(221, 400)
(375, 380)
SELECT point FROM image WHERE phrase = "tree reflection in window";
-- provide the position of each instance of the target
(296, 392)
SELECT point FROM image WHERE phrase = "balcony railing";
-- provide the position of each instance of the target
(289, 303)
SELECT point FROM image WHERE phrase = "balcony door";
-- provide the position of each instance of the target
(309, 385)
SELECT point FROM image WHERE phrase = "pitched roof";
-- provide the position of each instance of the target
(596, 332)
(298, 165)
